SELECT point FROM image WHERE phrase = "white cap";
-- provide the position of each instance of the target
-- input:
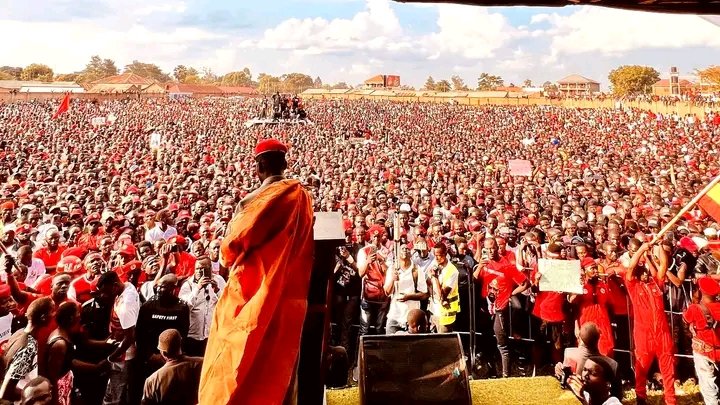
(405, 208)
(700, 242)
(710, 232)
(608, 210)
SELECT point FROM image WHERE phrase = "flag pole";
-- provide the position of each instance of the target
(685, 209)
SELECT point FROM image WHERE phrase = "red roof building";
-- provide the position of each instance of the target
(663, 87)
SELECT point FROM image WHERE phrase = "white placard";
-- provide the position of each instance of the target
(155, 140)
(560, 276)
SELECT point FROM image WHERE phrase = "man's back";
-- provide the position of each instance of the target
(176, 382)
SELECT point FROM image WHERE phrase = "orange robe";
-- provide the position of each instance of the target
(254, 339)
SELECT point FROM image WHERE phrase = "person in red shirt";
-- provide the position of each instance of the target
(174, 258)
(81, 287)
(651, 331)
(503, 280)
(549, 308)
(593, 308)
(52, 252)
(703, 319)
(93, 233)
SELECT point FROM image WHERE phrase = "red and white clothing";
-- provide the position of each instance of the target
(80, 288)
(124, 316)
(593, 306)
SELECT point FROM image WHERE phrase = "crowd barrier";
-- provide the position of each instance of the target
(471, 347)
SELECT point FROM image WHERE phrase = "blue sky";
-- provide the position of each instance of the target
(351, 40)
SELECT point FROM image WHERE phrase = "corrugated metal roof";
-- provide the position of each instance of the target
(576, 79)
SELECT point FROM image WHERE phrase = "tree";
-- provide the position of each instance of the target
(458, 84)
(147, 70)
(709, 75)
(549, 87)
(406, 87)
(67, 77)
(486, 82)
(268, 84)
(340, 86)
(317, 83)
(633, 79)
(37, 71)
(443, 85)
(241, 78)
(429, 83)
(97, 69)
(527, 83)
(6, 76)
(182, 73)
(12, 71)
(208, 76)
(296, 82)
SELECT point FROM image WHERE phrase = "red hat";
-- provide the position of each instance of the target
(270, 145)
(128, 250)
(94, 217)
(708, 286)
(127, 270)
(688, 244)
(7, 205)
(587, 262)
(75, 251)
(23, 229)
(179, 239)
(376, 230)
(183, 215)
(76, 213)
(70, 265)
(4, 291)
(173, 207)
(474, 225)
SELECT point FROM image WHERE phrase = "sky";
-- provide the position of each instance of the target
(352, 40)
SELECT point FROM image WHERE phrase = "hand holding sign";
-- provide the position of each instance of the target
(519, 167)
(560, 276)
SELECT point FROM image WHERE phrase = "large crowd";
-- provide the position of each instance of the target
(110, 246)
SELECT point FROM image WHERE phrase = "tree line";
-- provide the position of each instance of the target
(624, 80)
(98, 68)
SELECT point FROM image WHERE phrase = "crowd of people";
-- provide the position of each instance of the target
(111, 246)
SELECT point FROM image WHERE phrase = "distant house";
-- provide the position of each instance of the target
(125, 83)
(382, 82)
(576, 84)
(185, 89)
(663, 87)
(33, 86)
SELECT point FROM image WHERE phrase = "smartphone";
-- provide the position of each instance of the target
(485, 254)
(566, 374)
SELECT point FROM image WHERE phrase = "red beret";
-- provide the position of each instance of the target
(179, 239)
(128, 249)
(587, 262)
(7, 205)
(708, 286)
(376, 230)
(474, 225)
(270, 145)
(78, 252)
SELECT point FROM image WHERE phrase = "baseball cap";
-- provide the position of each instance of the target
(170, 342)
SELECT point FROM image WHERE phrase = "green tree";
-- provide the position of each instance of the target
(97, 69)
(550, 87)
(527, 83)
(209, 77)
(241, 78)
(443, 85)
(268, 84)
(458, 84)
(487, 82)
(340, 86)
(37, 71)
(709, 75)
(633, 79)
(317, 83)
(181, 73)
(6, 76)
(406, 87)
(12, 71)
(67, 77)
(147, 70)
(429, 84)
(296, 82)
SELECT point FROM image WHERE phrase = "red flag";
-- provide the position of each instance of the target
(64, 106)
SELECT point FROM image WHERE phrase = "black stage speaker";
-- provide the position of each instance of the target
(329, 235)
(413, 369)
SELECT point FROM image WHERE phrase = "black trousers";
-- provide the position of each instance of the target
(501, 327)
(373, 314)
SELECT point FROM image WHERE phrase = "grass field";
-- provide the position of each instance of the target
(525, 391)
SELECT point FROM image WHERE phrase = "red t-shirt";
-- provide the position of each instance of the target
(507, 278)
(548, 304)
(617, 296)
(82, 288)
(695, 317)
(50, 259)
(491, 272)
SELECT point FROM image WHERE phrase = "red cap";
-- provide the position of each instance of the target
(474, 225)
(708, 286)
(183, 215)
(70, 265)
(375, 230)
(270, 145)
(587, 262)
(7, 205)
(688, 244)
(128, 249)
(74, 251)
(133, 190)
(4, 291)
(23, 229)
(76, 213)
(179, 239)
(173, 207)
(94, 217)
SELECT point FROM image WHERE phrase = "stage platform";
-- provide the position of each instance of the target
(520, 391)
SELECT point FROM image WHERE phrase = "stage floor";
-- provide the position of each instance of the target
(521, 391)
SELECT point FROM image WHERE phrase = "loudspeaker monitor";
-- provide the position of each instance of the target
(413, 369)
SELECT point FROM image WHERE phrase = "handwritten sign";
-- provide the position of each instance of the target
(98, 121)
(155, 140)
(560, 276)
(520, 167)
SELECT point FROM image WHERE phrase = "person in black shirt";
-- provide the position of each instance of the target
(347, 295)
(163, 311)
(681, 267)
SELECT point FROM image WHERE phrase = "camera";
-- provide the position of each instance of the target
(566, 375)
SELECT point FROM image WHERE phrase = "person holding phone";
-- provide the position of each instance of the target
(201, 292)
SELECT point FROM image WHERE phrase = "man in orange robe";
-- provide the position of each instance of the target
(254, 341)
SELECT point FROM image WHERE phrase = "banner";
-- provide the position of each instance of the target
(98, 121)
(560, 276)
(520, 167)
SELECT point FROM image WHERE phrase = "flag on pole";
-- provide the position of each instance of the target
(64, 106)
(710, 202)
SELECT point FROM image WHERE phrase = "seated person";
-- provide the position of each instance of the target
(575, 356)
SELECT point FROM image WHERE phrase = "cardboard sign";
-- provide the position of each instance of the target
(98, 121)
(560, 276)
(520, 167)
(155, 140)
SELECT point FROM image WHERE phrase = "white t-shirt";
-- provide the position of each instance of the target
(127, 309)
(35, 271)
(157, 234)
(5, 328)
(398, 311)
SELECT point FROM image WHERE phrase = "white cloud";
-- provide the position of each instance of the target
(616, 32)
